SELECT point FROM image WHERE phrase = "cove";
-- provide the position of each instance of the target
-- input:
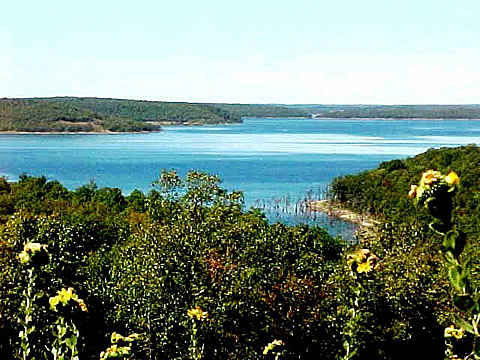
(275, 162)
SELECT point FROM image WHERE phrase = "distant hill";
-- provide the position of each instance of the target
(32, 115)
(181, 112)
(151, 111)
(88, 114)
(392, 111)
(261, 110)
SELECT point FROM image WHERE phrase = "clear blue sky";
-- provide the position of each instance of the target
(342, 51)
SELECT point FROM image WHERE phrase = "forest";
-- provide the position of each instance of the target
(47, 116)
(381, 192)
(186, 272)
(88, 114)
(75, 114)
(394, 111)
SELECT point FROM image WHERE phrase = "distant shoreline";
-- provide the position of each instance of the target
(164, 124)
(9, 132)
(388, 118)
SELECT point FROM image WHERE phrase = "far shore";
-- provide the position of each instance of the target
(106, 132)
(388, 118)
(164, 124)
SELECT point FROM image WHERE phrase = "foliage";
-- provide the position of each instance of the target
(394, 111)
(199, 249)
(84, 114)
(435, 191)
(152, 111)
(381, 192)
(76, 114)
(121, 346)
(141, 261)
(258, 110)
(37, 115)
(201, 278)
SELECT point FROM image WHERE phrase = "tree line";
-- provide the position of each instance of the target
(186, 272)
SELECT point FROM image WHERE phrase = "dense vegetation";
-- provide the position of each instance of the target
(381, 192)
(196, 276)
(394, 111)
(259, 110)
(47, 116)
(76, 114)
(182, 113)
(153, 111)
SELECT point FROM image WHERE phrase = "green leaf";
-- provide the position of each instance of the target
(467, 267)
(454, 274)
(465, 325)
(454, 242)
(71, 342)
(450, 240)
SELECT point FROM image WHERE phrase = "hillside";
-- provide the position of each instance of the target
(393, 111)
(150, 263)
(186, 267)
(24, 115)
(151, 111)
(383, 191)
(260, 110)
(88, 114)
(181, 112)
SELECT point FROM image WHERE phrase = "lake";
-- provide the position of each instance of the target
(268, 159)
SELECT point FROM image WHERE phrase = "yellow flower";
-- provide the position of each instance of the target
(451, 331)
(430, 176)
(452, 179)
(197, 313)
(413, 191)
(364, 259)
(364, 267)
(64, 296)
(272, 345)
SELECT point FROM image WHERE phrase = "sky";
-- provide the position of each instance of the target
(249, 51)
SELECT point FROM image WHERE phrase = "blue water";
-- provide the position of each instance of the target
(266, 158)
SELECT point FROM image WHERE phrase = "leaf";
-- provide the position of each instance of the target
(465, 325)
(71, 342)
(454, 274)
(467, 267)
(449, 240)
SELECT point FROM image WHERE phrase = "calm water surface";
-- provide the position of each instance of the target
(266, 158)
